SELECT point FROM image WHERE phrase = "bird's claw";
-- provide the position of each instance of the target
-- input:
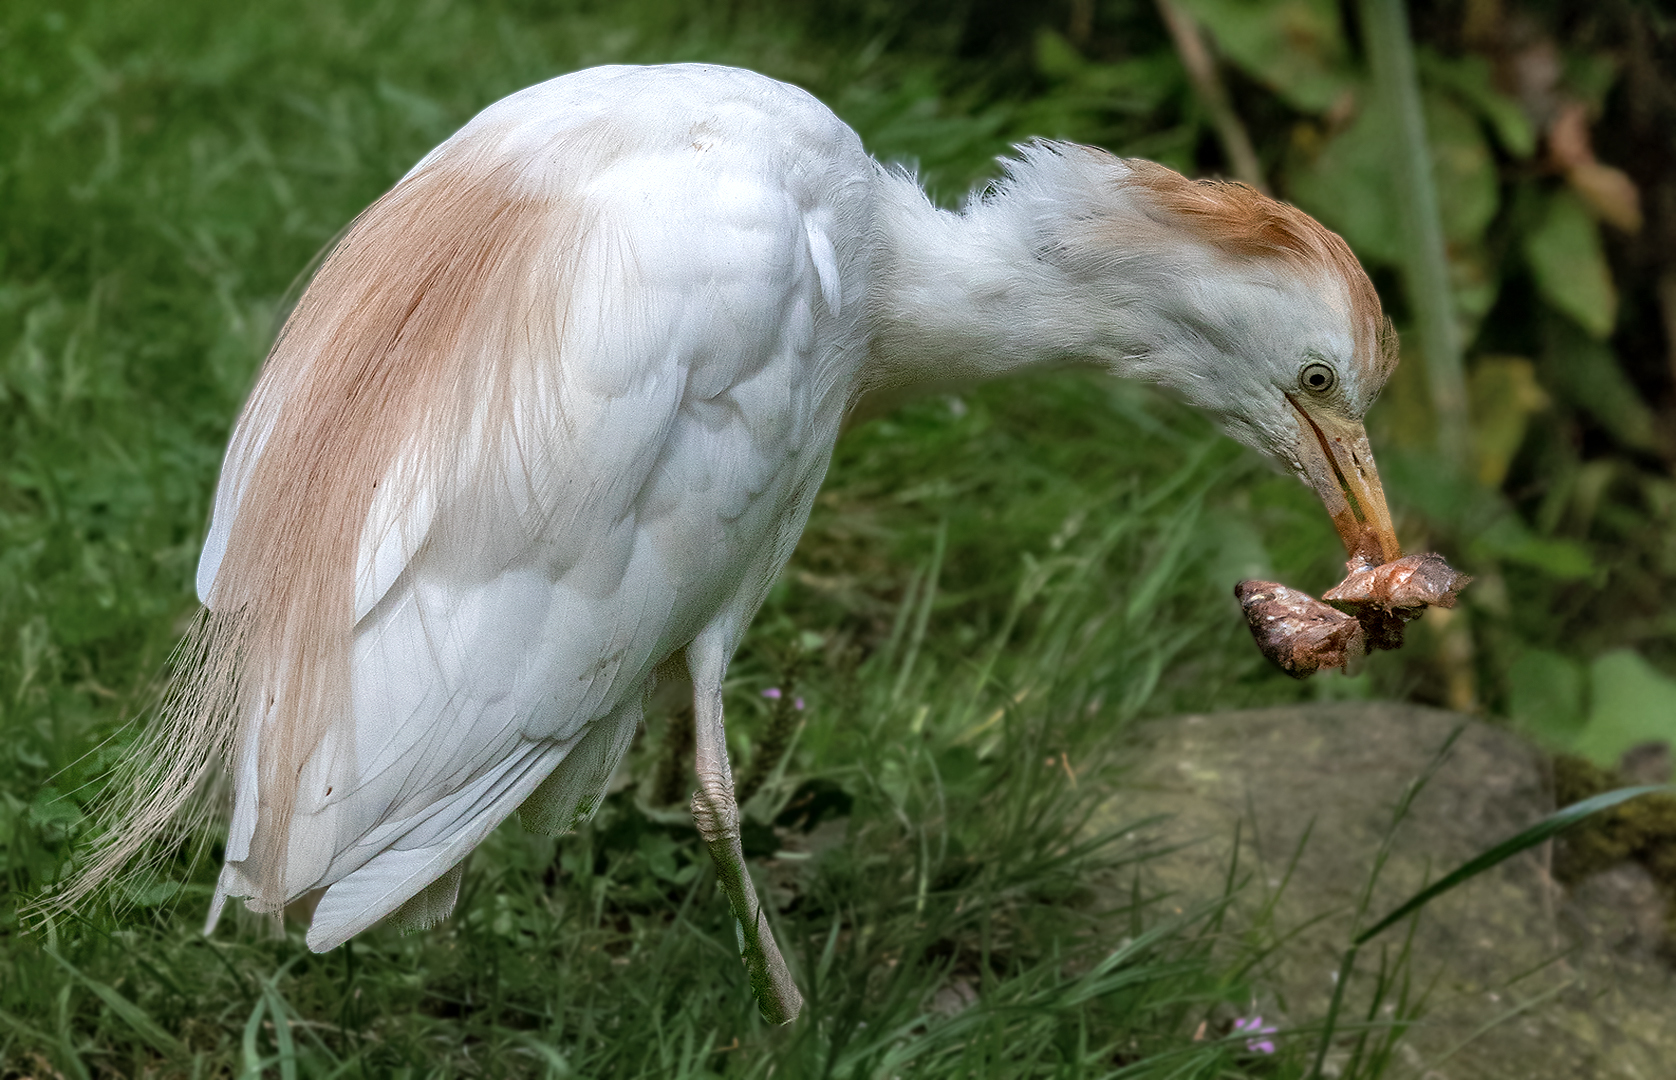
(717, 815)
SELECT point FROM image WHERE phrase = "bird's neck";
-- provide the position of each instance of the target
(966, 296)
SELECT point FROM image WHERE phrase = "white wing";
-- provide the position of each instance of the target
(660, 467)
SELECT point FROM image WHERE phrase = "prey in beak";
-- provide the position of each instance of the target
(1337, 461)
(1382, 590)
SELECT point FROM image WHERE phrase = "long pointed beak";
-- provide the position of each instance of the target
(1338, 462)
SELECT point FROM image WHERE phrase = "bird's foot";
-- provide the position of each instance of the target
(717, 816)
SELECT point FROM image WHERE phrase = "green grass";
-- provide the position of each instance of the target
(992, 588)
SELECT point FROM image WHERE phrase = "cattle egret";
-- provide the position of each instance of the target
(550, 418)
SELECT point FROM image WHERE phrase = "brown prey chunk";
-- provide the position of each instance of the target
(1413, 581)
(1302, 635)
(1296, 631)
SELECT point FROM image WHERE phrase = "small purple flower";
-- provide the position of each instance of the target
(1256, 1027)
(797, 703)
(772, 693)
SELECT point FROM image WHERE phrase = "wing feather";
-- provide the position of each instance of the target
(620, 454)
(555, 404)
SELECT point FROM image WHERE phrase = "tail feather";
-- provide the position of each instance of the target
(398, 340)
(432, 904)
(164, 791)
(571, 794)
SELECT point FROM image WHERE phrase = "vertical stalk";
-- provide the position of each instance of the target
(1425, 264)
(1213, 95)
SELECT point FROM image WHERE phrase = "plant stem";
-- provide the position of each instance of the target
(1207, 83)
(1425, 262)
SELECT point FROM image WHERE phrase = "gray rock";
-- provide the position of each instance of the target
(1525, 981)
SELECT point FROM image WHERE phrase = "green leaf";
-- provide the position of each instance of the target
(1057, 58)
(1474, 283)
(1547, 696)
(1564, 253)
(254, 1062)
(51, 808)
(1589, 76)
(1586, 371)
(1470, 79)
(1346, 180)
(1295, 47)
(153, 893)
(1503, 394)
(1463, 169)
(557, 1064)
(1138, 85)
(1547, 828)
(40, 1038)
(1630, 702)
(1511, 539)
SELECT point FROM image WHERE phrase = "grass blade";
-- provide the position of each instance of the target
(131, 1014)
(1545, 829)
(254, 1063)
(18, 1026)
(282, 1033)
(66, 1037)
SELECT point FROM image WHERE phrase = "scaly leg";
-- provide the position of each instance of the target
(717, 814)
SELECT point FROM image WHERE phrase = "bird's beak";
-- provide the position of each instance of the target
(1338, 462)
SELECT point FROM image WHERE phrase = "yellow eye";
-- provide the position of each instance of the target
(1317, 377)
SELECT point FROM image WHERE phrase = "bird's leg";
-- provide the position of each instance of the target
(717, 814)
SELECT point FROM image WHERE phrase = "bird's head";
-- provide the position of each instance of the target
(1246, 306)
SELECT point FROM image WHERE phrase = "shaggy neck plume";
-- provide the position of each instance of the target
(992, 289)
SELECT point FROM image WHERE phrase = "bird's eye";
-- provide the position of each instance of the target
(1317, 377)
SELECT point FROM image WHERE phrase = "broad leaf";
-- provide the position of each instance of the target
(1346, 182)
(1295, 47)
(1503, 394)
(1508, 537)
(1564, 253)
(1547, 696)
(1630, 702)
(1587, 373)
(1470, 80)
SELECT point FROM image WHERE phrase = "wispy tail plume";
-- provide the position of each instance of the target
(162, 793)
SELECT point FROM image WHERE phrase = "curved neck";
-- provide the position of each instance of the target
(960, 296)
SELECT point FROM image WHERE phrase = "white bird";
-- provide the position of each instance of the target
(550, 418)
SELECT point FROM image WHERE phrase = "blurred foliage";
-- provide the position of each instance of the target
(1553, 140)
(1552, 129)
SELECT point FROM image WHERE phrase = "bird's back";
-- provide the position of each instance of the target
(557, 403)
